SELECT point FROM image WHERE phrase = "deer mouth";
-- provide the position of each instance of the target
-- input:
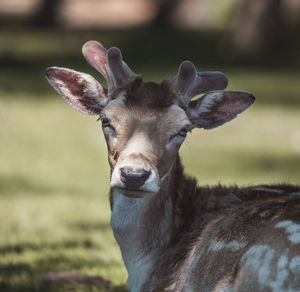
(133, 193)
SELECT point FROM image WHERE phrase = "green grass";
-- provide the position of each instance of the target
(54, 176)
(54, 206)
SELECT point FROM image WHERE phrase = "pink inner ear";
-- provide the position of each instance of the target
(218, 107)
(232, 107)
(80, 90)
(95, 54)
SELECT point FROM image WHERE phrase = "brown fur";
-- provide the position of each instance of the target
(149, 95)
(227, 213)
(199, 216)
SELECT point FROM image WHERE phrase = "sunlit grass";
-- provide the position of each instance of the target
(54, 208)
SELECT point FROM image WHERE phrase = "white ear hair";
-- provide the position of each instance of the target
(80, 90)
(218, 107)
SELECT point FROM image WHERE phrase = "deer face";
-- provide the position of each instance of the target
(145, 123)
(143, 139)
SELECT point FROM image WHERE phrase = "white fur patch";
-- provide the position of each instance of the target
(210, 100)
(295, 264)
(119, 101)
(259, 258)
(138, 144)
(272, 272)
(292, 229)
(232, 245)
(126, 221)
(171, 287)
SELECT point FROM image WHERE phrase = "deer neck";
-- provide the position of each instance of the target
(142, 226)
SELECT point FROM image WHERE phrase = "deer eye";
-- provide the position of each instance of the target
(105, 123)
(183, 132)
(107, 128)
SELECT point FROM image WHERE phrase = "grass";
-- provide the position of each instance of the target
(54, 176)
(54, 207)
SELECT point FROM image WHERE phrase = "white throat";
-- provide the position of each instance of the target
(127, 223)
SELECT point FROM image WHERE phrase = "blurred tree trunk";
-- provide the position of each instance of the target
(259, 28)
(165, 8)
(47, 14)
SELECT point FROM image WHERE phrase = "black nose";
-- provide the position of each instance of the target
(134, 178)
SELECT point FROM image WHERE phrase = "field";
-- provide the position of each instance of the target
(54, 176)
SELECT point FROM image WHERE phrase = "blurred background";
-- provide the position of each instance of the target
(54, 176)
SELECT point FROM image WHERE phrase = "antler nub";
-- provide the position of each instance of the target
(95, 54)
(189, 82)
(108, 63)
(185, 76)
(119, 70)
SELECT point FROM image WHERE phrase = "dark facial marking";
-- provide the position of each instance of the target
(148, 95)
(115, 155)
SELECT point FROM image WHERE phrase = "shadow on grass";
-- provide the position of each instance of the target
(44, 246)
(75, 287)
(17, 277)
(272, 163)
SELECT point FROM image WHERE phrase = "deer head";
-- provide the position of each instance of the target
(145, 123)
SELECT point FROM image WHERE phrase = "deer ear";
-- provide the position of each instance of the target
(80, 90)
(218, 107)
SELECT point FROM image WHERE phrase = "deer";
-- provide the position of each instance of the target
(173, 234)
